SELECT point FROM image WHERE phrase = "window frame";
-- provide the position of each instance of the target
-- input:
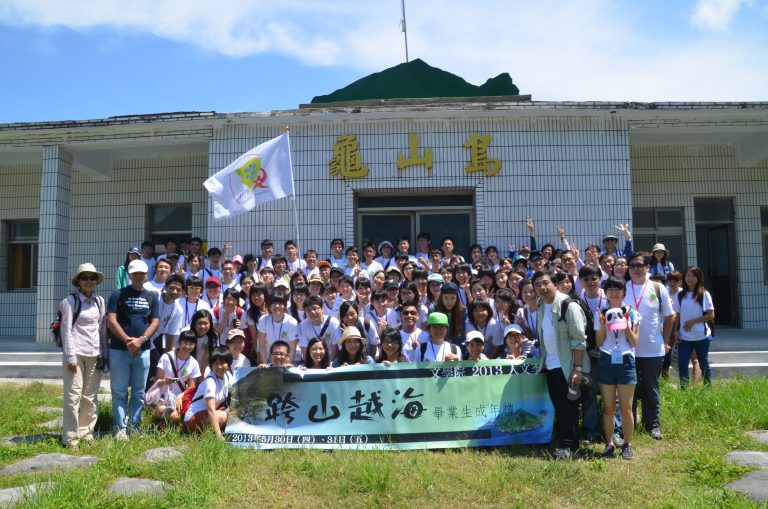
(158, 237)
(656, 231)
(34, 249)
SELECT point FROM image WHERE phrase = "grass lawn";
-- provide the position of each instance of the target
(687, 469)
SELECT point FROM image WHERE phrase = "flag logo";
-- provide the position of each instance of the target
(253, 174)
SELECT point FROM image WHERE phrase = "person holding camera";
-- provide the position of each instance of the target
(83, 332)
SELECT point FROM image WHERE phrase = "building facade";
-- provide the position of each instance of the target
(693, 176)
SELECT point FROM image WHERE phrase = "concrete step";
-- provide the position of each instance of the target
(730, 364)
(42, 365)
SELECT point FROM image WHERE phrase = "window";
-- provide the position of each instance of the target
(165, 222)
(22, 254)
(388, 217)
(660, 226)
(764, 229)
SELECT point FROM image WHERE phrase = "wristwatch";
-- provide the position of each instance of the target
(146, 338)
(577, 368)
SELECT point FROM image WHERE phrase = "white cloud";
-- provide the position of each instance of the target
(554, 49)
(716, 14)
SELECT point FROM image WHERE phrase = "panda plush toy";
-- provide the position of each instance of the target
(616, 318)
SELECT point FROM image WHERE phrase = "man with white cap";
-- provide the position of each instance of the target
(132, 318)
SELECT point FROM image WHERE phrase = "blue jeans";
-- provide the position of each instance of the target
(127, 369)
(684, 349)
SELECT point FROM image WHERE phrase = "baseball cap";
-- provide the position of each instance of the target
(235, 333)
(437, 318)
(475, 335)
(512, 327)
(137, 266)
(213, 280)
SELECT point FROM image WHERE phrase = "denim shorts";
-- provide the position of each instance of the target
(616, 374)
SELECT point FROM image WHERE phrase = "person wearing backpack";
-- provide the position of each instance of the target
(563, 343)
(83, 333)
(437, 349)
(210, 406)
(695, 315)
(651, 300)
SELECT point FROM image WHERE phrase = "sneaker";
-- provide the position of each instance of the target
(618, 440)
(609, 451)
(564, 454)
(121, 436)
(88, 439)
(626, 452)
(656, 434)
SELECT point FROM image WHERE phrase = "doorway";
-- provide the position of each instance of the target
(390, 217)
(716, 253)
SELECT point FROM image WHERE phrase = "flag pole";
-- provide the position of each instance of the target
(295, 208)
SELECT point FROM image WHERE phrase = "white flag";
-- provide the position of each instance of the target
(261, 175)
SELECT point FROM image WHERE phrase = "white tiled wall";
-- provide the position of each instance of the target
(689, 172)
(19, 199)
(551, 167)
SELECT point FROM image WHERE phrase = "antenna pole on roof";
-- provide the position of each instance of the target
(402, 27)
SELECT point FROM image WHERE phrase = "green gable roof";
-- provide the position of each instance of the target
(417, 79)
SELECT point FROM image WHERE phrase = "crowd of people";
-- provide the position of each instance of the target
(180, 325)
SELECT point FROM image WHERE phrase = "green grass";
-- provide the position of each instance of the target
(687, 469)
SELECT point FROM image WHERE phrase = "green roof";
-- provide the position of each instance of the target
(417, 79)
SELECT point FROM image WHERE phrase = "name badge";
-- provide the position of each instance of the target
(617, 357)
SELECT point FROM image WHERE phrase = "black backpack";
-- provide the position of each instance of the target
(590, 327)
(56, 323)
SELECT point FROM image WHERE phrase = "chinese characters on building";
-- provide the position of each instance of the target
(347, 159)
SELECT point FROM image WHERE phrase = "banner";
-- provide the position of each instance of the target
(403, 406)
(261, 175)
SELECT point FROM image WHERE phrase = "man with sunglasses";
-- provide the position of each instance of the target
(652, 301)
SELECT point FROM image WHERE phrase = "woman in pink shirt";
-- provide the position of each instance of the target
(83, 332)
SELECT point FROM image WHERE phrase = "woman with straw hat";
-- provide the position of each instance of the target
(83, 332)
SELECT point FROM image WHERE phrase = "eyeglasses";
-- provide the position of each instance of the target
(409, 313)
(279, 354)
(636, 265)
(89, 278)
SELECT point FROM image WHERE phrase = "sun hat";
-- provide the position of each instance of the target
(351, 333)
(134, 249)
(437, 319)
(610, 235)
(137, 266)
(660, 247)
(385, 243)
(89, 267)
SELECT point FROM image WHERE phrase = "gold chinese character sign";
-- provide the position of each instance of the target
(346, 160)
(414, 159)
(479, 162)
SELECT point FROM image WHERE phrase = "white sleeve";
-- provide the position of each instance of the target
(707, 301)
(262, 325)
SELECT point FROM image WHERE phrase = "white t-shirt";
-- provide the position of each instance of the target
(691, 309)
(650, 341)
(150, 266)
(234, 284)
(308, 330)
(492, 333)
(385, 263)
(171, 321)
(550, 338)
(190, 308)
(410, 351)
(371, 268)
(286, 330)
(211, 388)
(240, 362)
(228, 319)
(531, 320)
(294, 266)
(153, 286)
(186, 369)
(338, 262)
(617, 340)
(180, 263)
(436, 353)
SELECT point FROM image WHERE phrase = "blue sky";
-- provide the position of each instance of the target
(79, 59)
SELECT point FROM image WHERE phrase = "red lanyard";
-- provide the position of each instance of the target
(638, 301)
